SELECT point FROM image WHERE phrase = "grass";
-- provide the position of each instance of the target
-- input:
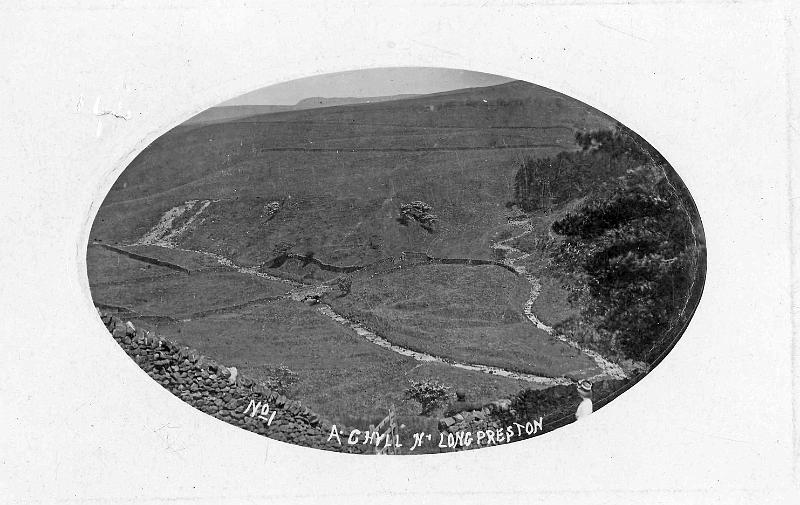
(469, 314)
(340, 375)
(342, 206)
(181, 296)
(348, 199)
(108, 267)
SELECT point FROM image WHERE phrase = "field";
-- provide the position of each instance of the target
(468, 314)
(187, 239)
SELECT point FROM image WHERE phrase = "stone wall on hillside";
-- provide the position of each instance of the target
(405, 259)
(212, 388)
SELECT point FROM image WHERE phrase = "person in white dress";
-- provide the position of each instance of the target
(585, 392)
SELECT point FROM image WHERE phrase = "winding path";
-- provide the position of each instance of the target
(164, 235)
(609, 369)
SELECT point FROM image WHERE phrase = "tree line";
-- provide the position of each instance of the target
(631, 247)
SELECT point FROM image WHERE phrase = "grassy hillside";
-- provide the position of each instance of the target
(231, 237)
(467, 314)
(346, 172)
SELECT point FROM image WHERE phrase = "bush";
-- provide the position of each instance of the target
(430, 393)
(419, 212)
(345, 285)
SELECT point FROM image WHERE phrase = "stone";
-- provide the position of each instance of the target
(446, 423)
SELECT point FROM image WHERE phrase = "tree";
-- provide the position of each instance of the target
(420, 212)
(430, 393)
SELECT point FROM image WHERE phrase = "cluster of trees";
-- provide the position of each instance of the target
(616, 143)
(605, 155)
(631, 249)
(541, 183)
(634, 250)
(597, 217)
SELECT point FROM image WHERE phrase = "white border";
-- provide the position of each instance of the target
(706, 84)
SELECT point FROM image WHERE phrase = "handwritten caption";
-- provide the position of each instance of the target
(260, 410)
(442, 440)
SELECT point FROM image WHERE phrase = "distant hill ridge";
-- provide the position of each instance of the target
(231, 112)
(498, 94)
(320, 101)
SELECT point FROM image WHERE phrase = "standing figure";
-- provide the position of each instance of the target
(585, 392)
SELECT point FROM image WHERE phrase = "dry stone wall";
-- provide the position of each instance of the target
(554, 407)
(212, 388)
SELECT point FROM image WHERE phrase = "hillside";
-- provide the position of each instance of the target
(303, 245)
(323, 101)
(342, 172)
(224, 113)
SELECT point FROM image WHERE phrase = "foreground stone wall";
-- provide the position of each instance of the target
(212, 388)
(554, 406)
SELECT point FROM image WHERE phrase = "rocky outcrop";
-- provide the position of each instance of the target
(222, 393)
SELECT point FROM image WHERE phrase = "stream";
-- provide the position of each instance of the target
(164, 236)
(608, 368)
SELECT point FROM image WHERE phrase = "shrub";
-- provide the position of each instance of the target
(419, 212)
(345, 285)
(430, 393)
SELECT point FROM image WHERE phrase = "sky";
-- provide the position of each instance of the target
(370, 82)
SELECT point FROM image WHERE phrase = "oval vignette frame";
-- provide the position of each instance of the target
(200, 237)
